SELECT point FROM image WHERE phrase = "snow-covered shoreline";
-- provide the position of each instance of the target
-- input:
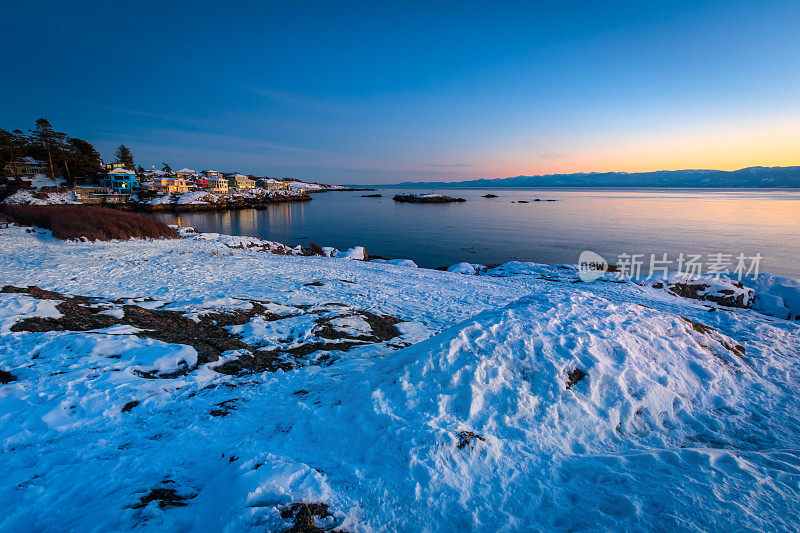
(398, 398)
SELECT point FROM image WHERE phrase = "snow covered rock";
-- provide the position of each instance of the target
(399, 262)
(777, 296)
(469, 269)
(358, 253)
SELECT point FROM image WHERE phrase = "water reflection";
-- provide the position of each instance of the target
(499, 229)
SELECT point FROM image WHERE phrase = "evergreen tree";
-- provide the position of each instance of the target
(13, 147)
(49, 145)
(140, 171)
(124, 156)
(83, 160)
(166, 168)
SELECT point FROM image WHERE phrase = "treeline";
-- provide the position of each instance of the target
(61, 154)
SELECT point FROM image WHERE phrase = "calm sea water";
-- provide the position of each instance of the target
(496, 230)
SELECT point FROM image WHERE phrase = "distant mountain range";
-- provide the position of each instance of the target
(761, 177)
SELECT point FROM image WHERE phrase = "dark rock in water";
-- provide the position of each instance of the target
(428, 199)
(465, 438)
(523, 202)
(574, 377)
(6, 377)
(303, 515)
(537, 200)
(489, 195)
(371, 196)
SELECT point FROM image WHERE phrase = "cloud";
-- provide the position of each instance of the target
(551, 156)
(449, 165)
(298, 99)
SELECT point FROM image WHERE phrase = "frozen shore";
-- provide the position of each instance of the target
(222, 382)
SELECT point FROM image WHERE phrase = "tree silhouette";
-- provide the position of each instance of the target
(123, 155)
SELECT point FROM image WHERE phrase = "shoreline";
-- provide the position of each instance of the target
(206, 366)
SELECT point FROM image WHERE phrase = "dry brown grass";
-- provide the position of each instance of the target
(90, 222)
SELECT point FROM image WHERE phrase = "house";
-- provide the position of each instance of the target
(168, 185)
(218, 185)
(121, 181)
(241, 182)
(26, 166)
(274, 185)
(108, 167)
(186, 173)
(212, 174)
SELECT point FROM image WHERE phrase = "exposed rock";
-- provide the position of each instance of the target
(737, 296)
(6, 377)
(303, 516)
(574, 377)
(166, 498)
(130, 405)
(466, 438)
(426, 198)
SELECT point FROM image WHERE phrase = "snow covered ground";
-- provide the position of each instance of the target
(214, 382)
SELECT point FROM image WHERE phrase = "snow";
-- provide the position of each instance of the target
(316, 186)
(41, 180)
(35, 197)
(469, 269)
(122, 172)
(399, 262)
(473, 418)
(197, 197)
(778, 296)
(162, 199)
(357, 252)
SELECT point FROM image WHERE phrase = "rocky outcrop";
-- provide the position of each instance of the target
(426, 198)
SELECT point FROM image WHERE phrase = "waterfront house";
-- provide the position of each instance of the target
(241, 182)
(23, 167)
(218, 185)
(168, 185)
(212, 174)
(108, 167)
(274, 185)
(121, 181)
(186, 173)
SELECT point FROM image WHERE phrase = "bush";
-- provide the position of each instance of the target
(93, 223)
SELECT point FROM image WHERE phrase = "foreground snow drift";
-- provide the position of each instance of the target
(516, 399)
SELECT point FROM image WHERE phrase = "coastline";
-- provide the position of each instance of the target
(185, 368)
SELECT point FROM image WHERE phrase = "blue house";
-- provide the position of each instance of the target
(121, 181)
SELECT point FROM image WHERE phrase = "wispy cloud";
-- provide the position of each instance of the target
(551, 156)
(299, 99)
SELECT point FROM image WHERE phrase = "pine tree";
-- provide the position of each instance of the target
(124, 156)
(49, 145)
(166, 168)
(83, 160)
(13, 146)
(140, 171)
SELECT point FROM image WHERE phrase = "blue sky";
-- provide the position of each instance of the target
(371, 93)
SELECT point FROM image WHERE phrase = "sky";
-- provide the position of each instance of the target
(383, 92)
